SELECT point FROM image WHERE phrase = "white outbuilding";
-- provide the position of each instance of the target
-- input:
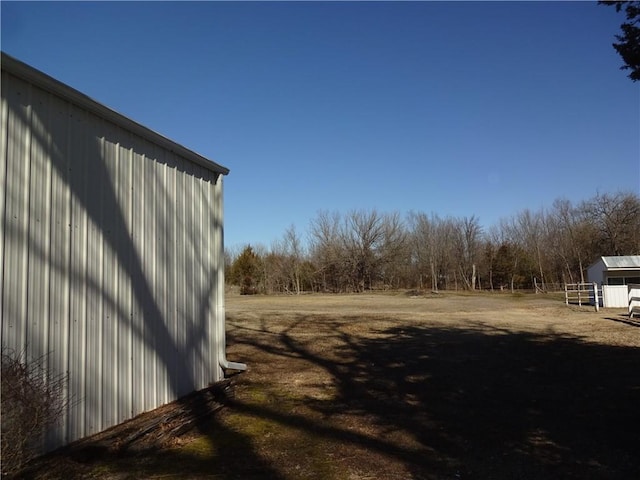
(615, 270)
(614, 274)
(111, 254)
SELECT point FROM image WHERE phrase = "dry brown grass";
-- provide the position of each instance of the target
(390, 386)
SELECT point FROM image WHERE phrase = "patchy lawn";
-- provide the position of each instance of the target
(391, 386)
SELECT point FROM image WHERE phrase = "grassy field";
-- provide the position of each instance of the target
(394, 386)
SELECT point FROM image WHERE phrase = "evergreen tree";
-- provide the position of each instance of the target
(244, 271)
(628, 45)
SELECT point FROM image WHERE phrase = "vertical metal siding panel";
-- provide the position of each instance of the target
(163, 379)
(161, 229)
(4, 128)
(152, 325)
(201, 282)
(210, 245)
(59, 248)
(188, 267)
(218, 260)
(213, 215)
(181, 263)
(212, 268)
(180, 266)
(156, 278)
(208, 280)
(14, 300)
(125, 333)
(78, 255)
(181, 259)
(111, 213)
(210, 277)
(171, 265)
(94, 339)
(197, 277)
(37, 242)
(205, 280)
(214, 231)
(138, 384)
(195, 269)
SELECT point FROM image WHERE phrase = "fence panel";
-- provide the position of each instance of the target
(615, 296)
(634, 299)
(583, 294)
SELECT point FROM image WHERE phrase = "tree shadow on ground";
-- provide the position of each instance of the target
(210, 450)
(392, 399)
(480, 402)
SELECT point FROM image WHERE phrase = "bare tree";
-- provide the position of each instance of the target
(467, 233)
(293, 255)
(433, 239)
(358, 251)
(327, 250)
(366, 249)
(571, 238)
(363, 236)
(446, 255)
(488, 259)
(529, 227)
(263, 274)
(616, 218)
(392, 251)
(511, 257)
(422, 240)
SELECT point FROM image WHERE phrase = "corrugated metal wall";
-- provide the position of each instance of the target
(109, 249)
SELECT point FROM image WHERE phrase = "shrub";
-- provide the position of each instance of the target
(31, 401)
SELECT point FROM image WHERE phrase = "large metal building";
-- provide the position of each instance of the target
(111, 254)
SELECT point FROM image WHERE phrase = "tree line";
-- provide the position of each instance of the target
(366, 249)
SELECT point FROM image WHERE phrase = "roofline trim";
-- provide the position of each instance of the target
(608, 267)
(42, 80)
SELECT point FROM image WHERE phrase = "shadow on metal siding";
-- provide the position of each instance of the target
(107, 244)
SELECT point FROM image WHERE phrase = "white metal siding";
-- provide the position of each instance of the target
(110, 255)
(615, 296)
(595, 272)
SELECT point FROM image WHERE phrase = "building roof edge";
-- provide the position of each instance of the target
(22, 70)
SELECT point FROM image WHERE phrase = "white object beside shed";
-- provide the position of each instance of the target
(111, 254)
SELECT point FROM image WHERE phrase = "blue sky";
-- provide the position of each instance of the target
(456, 108)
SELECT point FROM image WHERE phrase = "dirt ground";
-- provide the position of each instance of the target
(399, 386)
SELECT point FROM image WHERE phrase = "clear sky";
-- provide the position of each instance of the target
(456, 108)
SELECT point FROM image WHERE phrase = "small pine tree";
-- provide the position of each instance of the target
(244, 271)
